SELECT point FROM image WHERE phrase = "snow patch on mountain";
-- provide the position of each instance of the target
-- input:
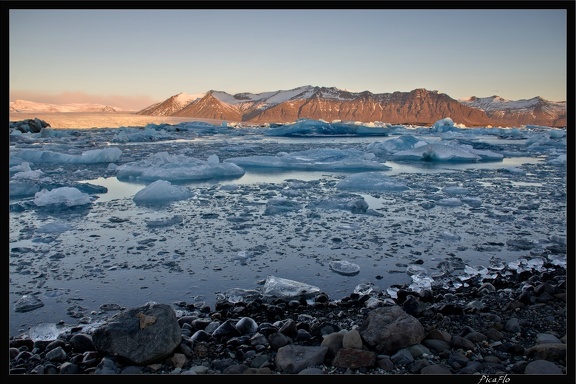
(497, 103)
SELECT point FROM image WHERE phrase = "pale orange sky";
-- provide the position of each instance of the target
(132, 102)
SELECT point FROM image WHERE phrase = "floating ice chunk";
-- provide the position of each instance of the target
(23, 188)
(449, 236)
(474, 202)
(496, 264)
(28, 303)
(437, 152)
(177, 219)
(238, 295)
(242, 257)
(535, 263)
(347, 202)
(92, 156)
(455, 190)
(401, 143)
(161, 191)
(393, 292)
(23, 171)
(364, 288)
(427, 204)
(514, 170)
(321, 159)
(43, 332)
(421, 282)
(344, 267)
(450, 202)
(561, 159)
(55, 227)
(559, 260)
(164, 166)
(67, 196)
(556, 133)
(414, 269)
(487, 155)
(277, 206)
(371, 182)
(476, 270)
(443, 125)
(287, 289)
(151, 132)
(309, 127)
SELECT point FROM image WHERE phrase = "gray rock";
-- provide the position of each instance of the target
(81, 342)
(550, 351)
(546, 338)
(388, 329)
(402, 357)
(57, 354)
(435, 369)
(542, 367)
(354, 358)
(247, 326)
(142, 335)
(69, 368)
(294, 358)
(352, 339)
(512, 325)
(106, 366)
(278, 340)
(334, 342)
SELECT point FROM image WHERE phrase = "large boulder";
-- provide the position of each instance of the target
(141, 335)
(389, 329)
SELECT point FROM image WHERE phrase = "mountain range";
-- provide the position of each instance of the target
(417, 107)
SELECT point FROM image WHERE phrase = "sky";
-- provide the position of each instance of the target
(132, 58)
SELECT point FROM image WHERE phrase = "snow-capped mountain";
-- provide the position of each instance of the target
(171, 105)
(535, 111)
(30, 106)
(418, 106)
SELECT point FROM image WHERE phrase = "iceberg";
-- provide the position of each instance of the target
(307, 127)
(162, 191)
(344, 267)
(67, 196)
(322, 159)
(165, 166)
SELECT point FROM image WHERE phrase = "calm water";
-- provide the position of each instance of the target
(116, 252)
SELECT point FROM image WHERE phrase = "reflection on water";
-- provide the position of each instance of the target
(121, 189)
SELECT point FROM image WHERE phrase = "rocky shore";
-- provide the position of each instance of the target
(514, 323)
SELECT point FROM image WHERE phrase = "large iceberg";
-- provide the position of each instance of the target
(447, 152)
(92, 156)
(164, 166)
